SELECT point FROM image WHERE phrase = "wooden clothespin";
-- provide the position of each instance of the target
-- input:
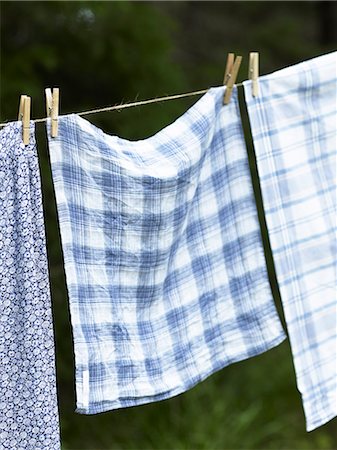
(24, 115)
(52, 106)
(231, 75)
(253, 72)
(229, 66)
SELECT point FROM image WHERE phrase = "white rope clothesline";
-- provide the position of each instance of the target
(129, 105)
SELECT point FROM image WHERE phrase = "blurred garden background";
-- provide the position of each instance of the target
(101, 53)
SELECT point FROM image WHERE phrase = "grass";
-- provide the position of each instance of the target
(253, 404)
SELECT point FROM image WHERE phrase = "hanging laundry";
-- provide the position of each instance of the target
(28, 401)
(293, 122)
(164, 263)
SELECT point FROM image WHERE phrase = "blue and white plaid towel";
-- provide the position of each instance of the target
(294, 129)
(164, 263)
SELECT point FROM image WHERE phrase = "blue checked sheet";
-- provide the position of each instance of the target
(164, 262)
(293, 123)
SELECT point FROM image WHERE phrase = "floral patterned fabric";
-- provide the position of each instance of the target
(28, 401)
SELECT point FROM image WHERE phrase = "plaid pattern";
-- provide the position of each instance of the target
(293, 123)
(163, 256)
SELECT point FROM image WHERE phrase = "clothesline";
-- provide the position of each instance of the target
(129, 105)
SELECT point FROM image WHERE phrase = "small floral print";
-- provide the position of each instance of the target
(28, 399)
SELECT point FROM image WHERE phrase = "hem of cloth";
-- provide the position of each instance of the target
(320, 419)
(125, 402)
(311, 426)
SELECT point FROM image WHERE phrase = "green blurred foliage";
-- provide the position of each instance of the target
(98, 53)
(101, 53)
